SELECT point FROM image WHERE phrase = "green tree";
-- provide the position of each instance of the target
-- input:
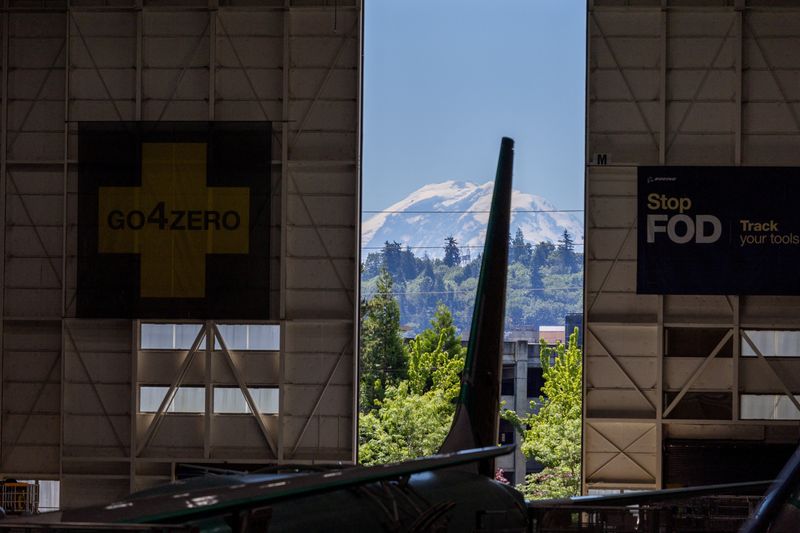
(452, 255)
(406, 426)
(372, 266)
(519, 250)
(541, 257)
(436, 357)
(382, 360)
(392, 255)
(553, 434)
(415, 415)
(565, 260)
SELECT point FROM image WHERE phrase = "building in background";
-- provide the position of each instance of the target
(692, 335)
(521, 385)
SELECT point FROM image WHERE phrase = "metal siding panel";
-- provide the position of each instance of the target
(257, 52)
(619, 403)
(34, 459)
(44, 303)
(717, 375)
(304, 242)
(235, 84)
(622, 340)
(604, 371)
(697, 309)
(342, 83)
(320, 274)
(612, 276)
(313, 369)
(22, 273)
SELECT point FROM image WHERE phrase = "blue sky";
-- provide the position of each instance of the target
(445, 79)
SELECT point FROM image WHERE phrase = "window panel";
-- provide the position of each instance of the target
(230, 400)
(155, 336)
(185, 334)
(772, 343)
(535, 381)
(767, 407)
(507, 385)
(265, 337)
(169, 336)
(186, 400)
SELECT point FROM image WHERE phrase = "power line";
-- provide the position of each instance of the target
(460, 246)
(470, 291)
(476, 211)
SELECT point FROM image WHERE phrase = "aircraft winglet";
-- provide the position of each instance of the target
(475, 423)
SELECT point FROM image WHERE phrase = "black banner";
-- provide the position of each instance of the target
(173, 220)
(718, 230)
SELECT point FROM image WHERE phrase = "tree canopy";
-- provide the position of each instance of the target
(544, 282)
(415, 415)
(452, 255)
(382, 360)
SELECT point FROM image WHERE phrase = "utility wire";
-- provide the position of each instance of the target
(441, 247)
(477, 211)
(469, 291)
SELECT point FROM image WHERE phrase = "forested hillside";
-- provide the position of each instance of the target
(544, 282)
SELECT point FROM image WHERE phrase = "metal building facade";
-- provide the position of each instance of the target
(71, 387)
(681, 82)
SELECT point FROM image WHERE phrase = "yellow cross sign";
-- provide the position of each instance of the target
(173, 220)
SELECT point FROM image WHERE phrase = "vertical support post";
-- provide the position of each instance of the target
(135, 344)
(136, 340)
(209, 392)
(3, 171)
(662, 160)
(213, 6)
(139, 44)
(738, 137)
(64, 218)
(357, 217)
(520, 401)
(213, 13)
(287, 22)
(737, 352)
(660, 393)
(65, 203)
(585, 290)
(662, 134)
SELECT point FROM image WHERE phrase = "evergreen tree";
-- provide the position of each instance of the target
(408, 264)
(433, 350)
(565, 252)
(519, 250)
(566, 243)
(452, 255)
(372, 266)
(383, 361)
(541, 257)
(393, 258)
(540, 291)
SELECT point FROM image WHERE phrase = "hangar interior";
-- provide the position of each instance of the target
(684, 389)
(83, 399)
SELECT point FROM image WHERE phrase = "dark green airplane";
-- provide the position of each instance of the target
(453, 491)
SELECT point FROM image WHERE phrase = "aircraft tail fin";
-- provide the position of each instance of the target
(475, 423)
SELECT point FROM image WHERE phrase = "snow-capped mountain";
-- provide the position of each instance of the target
(427, 216)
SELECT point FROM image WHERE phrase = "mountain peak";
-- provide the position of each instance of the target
(424, 218)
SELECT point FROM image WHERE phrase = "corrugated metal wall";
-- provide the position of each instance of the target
(69, 386)
(678, 82)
